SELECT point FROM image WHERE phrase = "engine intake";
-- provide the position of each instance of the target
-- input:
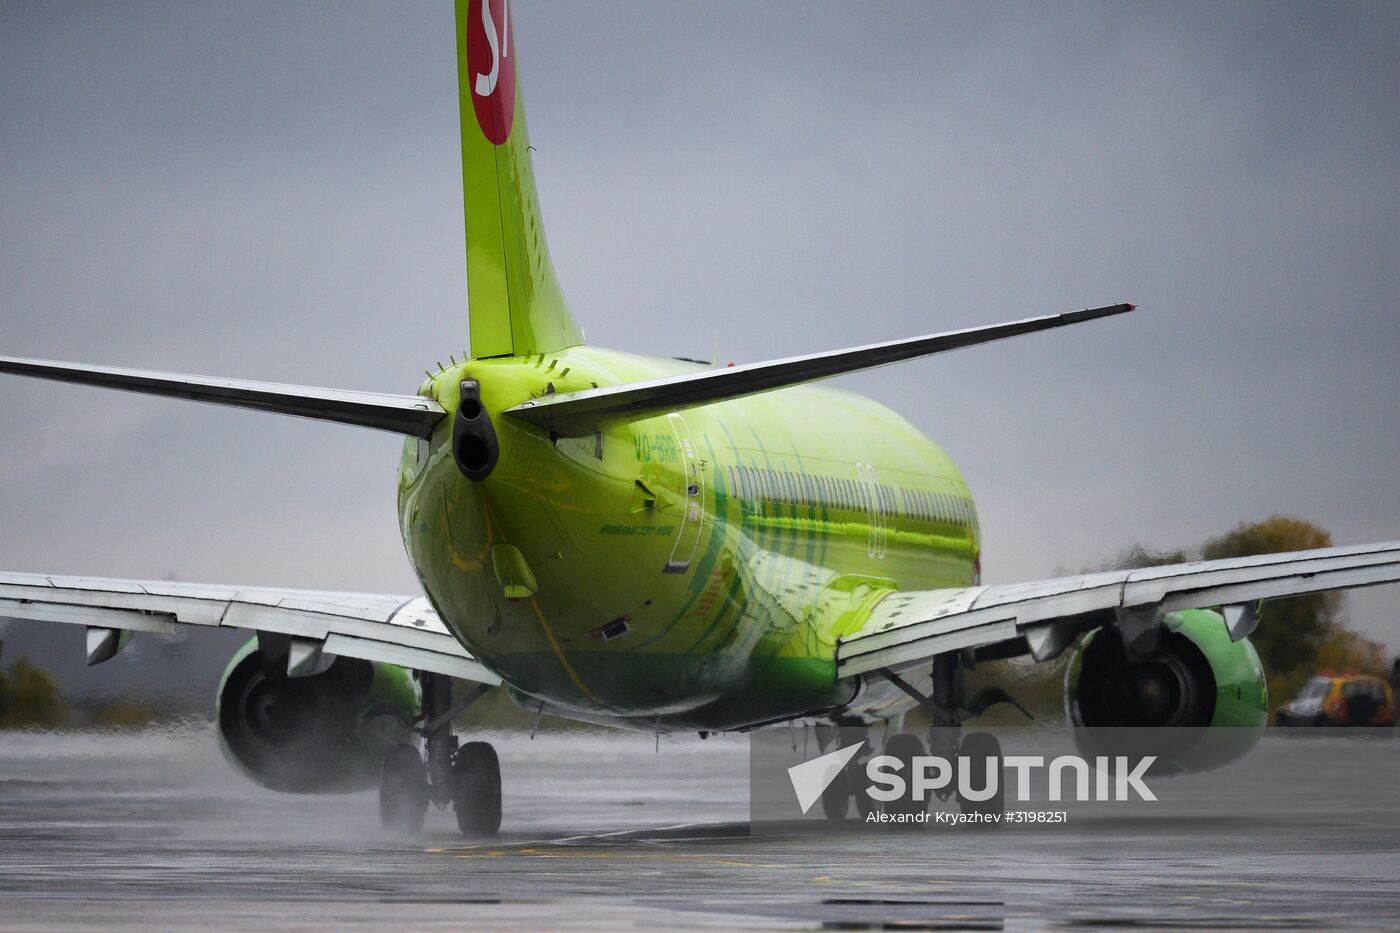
(1174, 686)
(319, 734)
(1196, 702)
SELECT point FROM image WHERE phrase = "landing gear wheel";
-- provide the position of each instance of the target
(974, 750)
(403, 790)
(906, 748)
(836, 799)
(865, 804)
(476, 789)
(860, 788)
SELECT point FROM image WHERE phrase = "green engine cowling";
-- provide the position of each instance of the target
(323, 733)
(1198, 701)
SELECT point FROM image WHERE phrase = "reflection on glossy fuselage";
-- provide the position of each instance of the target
(693, 569)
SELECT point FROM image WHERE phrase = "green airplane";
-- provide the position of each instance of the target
(659, 544)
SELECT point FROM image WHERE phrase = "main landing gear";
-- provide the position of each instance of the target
(947, 708)
(466, 776)
(980, 752)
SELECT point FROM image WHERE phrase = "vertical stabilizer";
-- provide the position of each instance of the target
(516, 305)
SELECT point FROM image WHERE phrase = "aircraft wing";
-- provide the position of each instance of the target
(400, 630)
(576, 413)
(1042, 618)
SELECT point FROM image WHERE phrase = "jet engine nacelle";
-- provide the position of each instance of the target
(323, 733)
(1197, 701)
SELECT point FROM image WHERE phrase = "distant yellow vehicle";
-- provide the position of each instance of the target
(1331, 699)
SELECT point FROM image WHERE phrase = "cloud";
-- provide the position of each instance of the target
(272, 192)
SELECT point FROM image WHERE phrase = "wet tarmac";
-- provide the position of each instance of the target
(155, 831)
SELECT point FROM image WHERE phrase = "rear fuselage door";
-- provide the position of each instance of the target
(874, 509)
(692, 498)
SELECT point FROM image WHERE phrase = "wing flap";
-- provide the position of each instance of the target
(419, 659)
(93, 616)
(394, 629)
(907, 628)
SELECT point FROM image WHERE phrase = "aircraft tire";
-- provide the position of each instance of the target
(860, 789)
(476, 789)
(403, 790)
(976, 748)
(906, 748)
(836, 799)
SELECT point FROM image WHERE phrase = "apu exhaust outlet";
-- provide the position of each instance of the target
(474, 444)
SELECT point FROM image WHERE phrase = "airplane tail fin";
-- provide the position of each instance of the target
(516, 305)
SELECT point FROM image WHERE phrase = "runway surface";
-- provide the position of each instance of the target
(155, 831)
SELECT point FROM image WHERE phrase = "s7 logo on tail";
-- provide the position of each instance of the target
(490, 67)
(486, 83)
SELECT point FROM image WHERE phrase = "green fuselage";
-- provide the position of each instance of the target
(694, 569)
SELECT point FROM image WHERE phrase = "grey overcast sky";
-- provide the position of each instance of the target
(271, 190)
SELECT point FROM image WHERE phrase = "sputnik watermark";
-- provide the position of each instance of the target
(811, 778)
(891, 778)
(950, 818)
(933, 773)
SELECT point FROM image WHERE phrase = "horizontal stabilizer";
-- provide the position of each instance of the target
(576, 413)
(403, 414)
